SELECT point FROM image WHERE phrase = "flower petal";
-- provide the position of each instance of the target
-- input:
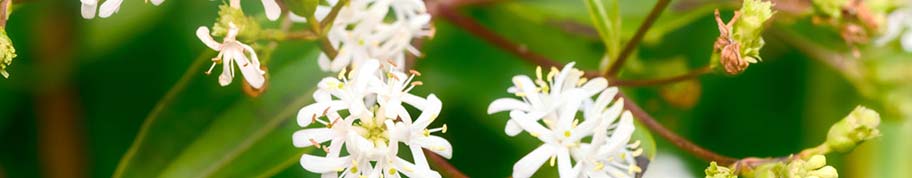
(505, 104)
(429, 113)
(157, 2)
(302, 138)
(251, 70)
(512, 128)
(564, 168)
(529, 164)
(532, 126)
(272, 9)
(412, 170)
(203, 34)
(89, 9)
(437, 145)
(319, 164)
(108, 8)
(227, 69)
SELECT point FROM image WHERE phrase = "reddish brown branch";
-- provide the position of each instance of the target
(650, 82)
(675, 139)
(477, 29)
(441, 164)
(637, 37)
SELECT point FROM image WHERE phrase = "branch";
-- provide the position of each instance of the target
(649, 82)
(476, 29)
(641, 32)
(675, 139)
(4, 13)
(441, 164)
(331, 17)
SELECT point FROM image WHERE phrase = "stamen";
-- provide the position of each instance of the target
(638, 152)
(635, 144)
(634, 169)
(598, 166)
(415, 72)
(314, 143)
(211, 67)
(582, 81)
(342, 74)
(567, 133)
(553, 160)
(417, 83)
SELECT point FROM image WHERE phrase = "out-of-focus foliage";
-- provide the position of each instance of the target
(118, 68)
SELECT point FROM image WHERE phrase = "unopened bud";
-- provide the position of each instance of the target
(716, 171)
(812, 167)
(7, 52)
(747, 30)
(248, 27)
(858, 126)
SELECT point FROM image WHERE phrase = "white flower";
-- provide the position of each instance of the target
(898, 25)
(361, 31)
(544, 95)
(549, 111)
(610, 156)
(233, 52)
(108, 8)
(368, 133)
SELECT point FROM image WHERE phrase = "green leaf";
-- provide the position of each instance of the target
(606, 18)
(201, 135)
(646, 141)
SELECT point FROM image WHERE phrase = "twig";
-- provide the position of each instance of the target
(649, 82)
(675, 139)
(475, 28)
(331, 17)
(4, 6)
(641, 32)
(442, 164)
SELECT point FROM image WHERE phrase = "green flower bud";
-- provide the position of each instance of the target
(857, 127)
(249, 28)
(7, 52)
(830, 8)
(813, 167)
(748, 29)
(716, 171)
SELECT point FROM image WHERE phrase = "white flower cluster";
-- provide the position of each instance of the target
(366, 29)
(548, 110)
(363, 113)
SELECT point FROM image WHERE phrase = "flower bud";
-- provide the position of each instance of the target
(747, 30)
(716, 171)
(248, 27)
(812, 167)
(858, 126)
(7, 53)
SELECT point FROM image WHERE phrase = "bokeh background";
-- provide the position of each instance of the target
(81, 90)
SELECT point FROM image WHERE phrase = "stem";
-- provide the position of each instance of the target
(4, 13)
(649, 82)
(641, 32)
(165, 101)
(675, 139)
(476, 29)
(441, 164)
(331, 17)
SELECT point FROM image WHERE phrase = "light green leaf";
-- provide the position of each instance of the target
(605, 15)
(235, 137)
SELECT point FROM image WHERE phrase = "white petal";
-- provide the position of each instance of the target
(532, 126)
(512, 128)
(594, 86)
(530, 163)
(410, 170)
(109, 7)
(525, 85)
(437, 145)
(227, 69)
(203, 34)
(302, 138)
(89, 9)
(505, 104)
(322, 164)
(251, 70)
(324, 63)
(157, 2)
(430, 112)
(906, 41)
(564, 168)
(272, 9)
(620, 136)
(309, 112)
(561, 77)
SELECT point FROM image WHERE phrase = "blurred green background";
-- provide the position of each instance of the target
(80, 90)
